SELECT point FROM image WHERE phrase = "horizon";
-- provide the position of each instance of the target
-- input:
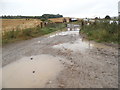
(59, 17)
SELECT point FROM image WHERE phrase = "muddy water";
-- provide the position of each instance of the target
(31, 72)
(77, 45)
(65, 33)
(70, 31)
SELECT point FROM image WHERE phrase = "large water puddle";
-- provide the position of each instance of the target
(31, 72)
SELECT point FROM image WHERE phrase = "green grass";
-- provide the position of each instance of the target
(12, 36)
(102, 32)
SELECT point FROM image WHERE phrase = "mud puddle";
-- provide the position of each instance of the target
(31, 72)
(75, 46)
(71, 30)
(65, 33)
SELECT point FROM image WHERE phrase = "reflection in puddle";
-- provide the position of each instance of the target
(71, 30)
(78, 45)
(31, 72)
(65, 33)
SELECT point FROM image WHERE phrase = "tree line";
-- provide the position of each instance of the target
(44, 16)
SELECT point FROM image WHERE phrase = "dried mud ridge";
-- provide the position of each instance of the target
(84, 64)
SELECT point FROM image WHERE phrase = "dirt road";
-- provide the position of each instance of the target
(60, 60)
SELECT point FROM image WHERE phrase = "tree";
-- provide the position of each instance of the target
(43, 19)
(96, 17)
(107, 17)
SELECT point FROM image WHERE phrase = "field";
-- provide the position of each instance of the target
(20, 24)
(22, 29)
(59, 19)
(15, 24)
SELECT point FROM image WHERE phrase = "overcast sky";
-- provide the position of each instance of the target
(68, 8)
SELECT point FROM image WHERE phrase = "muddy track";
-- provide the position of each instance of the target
(84, 64)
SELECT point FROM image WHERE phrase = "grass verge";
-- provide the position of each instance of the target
(12, 36)
(102, 32)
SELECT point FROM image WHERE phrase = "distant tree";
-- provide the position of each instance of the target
(107, 17)
(43, 19)
(47, 16)
(96, 17)
(44, 16)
